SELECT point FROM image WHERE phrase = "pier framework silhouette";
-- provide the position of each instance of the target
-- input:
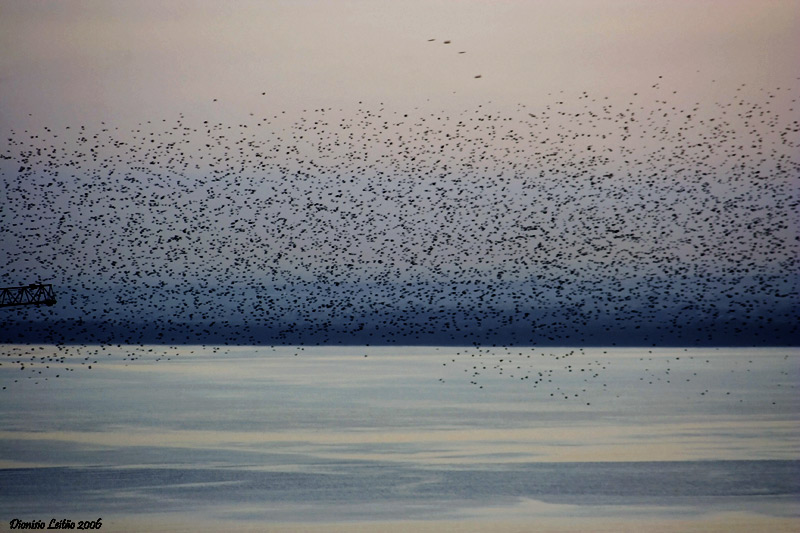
(33, 294)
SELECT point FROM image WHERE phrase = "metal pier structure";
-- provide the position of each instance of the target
(33, 294)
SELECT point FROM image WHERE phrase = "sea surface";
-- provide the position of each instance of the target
(401, 438)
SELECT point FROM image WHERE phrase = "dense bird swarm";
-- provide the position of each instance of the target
(587, 220)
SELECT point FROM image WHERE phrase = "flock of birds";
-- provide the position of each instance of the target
(447, 41)
(584, 221)
(583, 375)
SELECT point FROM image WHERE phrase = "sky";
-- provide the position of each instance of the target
(579, 172)
(76, 62)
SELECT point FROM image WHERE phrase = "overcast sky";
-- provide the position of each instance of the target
(517, 169)
(84, 61)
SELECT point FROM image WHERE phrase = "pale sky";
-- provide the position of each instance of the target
(76, 61)
(337, 163)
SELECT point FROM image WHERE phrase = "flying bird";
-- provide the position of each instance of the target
(574, 221)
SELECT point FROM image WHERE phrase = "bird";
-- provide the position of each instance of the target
(578, 220)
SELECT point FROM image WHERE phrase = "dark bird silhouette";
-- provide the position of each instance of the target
(584, 220)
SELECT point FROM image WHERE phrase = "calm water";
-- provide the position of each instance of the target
(254, 438)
